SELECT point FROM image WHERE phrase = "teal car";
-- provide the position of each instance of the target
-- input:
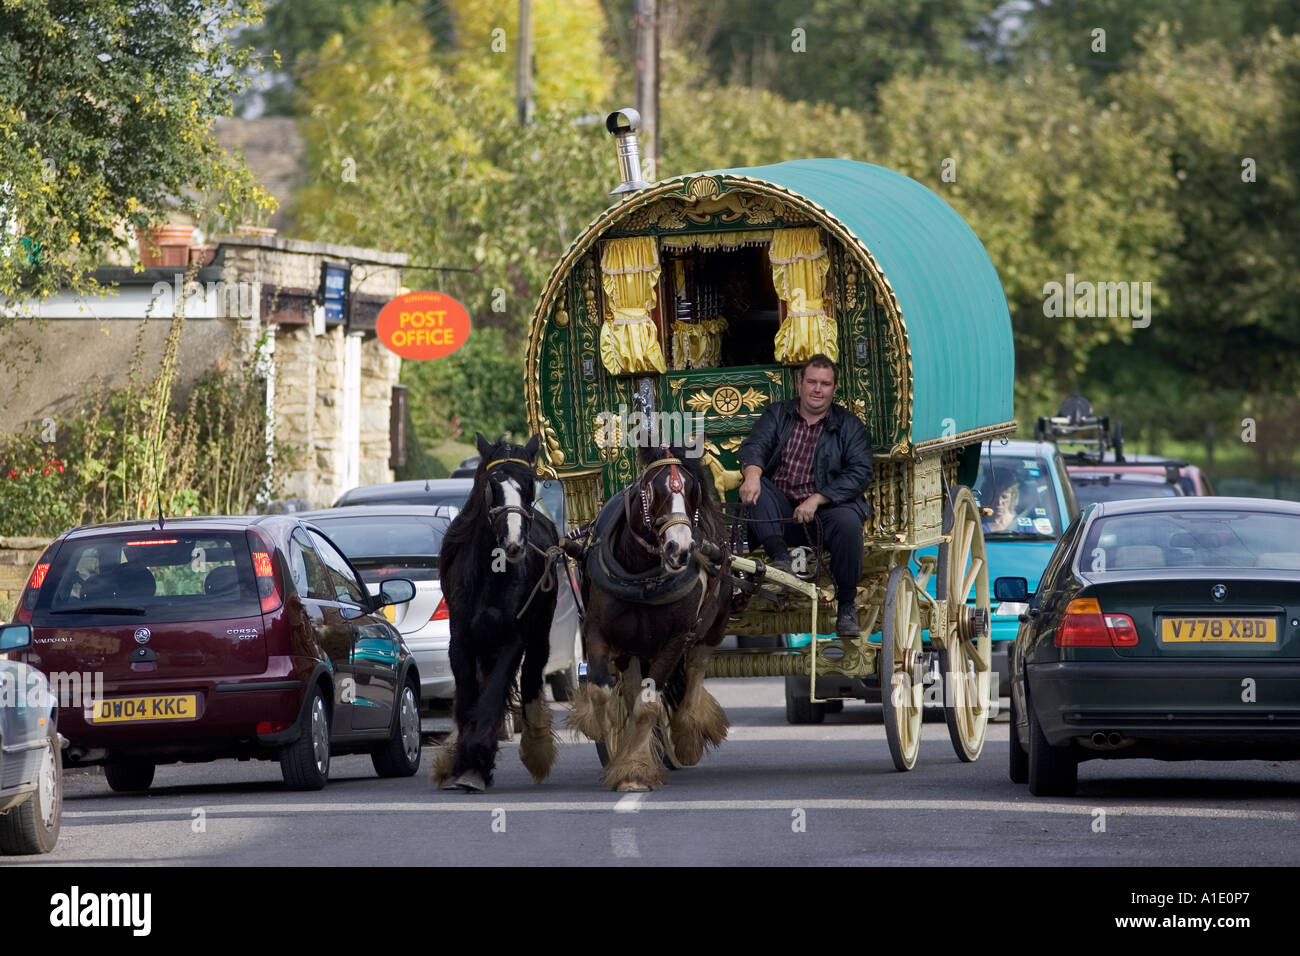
(1024, 490)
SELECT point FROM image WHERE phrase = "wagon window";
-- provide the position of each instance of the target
(721, 306)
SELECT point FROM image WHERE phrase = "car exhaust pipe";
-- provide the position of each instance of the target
(1099, 739)
(1114, 739)
(623, 125)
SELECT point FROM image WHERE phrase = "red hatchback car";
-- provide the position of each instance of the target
(245, 637)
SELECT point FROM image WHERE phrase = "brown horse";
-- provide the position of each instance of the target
(657, 606)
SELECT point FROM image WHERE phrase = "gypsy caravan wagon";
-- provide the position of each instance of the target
(692, 302)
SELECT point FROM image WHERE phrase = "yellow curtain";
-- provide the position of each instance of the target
(799, 267)
(698, 344)
(629, 341)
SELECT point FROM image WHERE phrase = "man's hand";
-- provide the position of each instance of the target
(807, 509)
(752, 484)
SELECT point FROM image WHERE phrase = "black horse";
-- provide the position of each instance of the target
(492, 567)
(658, 597)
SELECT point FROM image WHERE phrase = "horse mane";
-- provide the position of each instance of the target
(712, 524)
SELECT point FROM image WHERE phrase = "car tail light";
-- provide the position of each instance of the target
(441, 613)
(33, 590)
(272, 726)
(1084, 625)
(266, 586)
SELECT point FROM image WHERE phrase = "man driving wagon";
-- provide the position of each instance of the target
(808, 460)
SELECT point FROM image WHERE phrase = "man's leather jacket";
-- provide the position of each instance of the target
(841, 460)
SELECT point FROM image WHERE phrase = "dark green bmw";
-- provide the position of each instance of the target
(1162, 628)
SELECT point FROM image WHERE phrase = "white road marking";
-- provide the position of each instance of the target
(438, 805)
(630, 803)
(624, 843)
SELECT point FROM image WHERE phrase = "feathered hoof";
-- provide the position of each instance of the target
(471, 781)
(443, 759)
(537, 744)
(637, 778)
(588, 713)
(695, 731)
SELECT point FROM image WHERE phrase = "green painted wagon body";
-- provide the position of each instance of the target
(923, 341)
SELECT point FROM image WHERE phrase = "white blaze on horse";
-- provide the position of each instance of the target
(658, 599)
(500, 616)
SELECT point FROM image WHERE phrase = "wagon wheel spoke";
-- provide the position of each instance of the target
(963, 585)
(901, 690)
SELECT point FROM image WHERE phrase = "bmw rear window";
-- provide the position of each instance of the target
(162, 576)
(390, 546)
(1193, 539)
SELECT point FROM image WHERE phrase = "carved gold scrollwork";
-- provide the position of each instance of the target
(699, 401)
(752, 399)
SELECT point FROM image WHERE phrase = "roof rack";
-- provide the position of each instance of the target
(1081, 435)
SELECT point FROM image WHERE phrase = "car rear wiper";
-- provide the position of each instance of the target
(106, 609)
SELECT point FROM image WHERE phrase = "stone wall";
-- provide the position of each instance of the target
(253, 283)
(17, 557)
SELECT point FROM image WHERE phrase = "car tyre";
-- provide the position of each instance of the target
(128, 776)
(1018, 760)
(33, 826)
(798, 708)
(400, 756)
(305, 763)
(1052, 771)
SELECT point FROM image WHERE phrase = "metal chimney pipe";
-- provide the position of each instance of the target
(623, 125)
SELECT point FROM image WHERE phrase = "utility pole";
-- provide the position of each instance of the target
(524, 64)
(647, 81)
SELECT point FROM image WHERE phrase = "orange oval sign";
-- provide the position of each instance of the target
(423, 325)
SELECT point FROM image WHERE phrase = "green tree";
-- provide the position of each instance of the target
(1063, 31)
(1053, 184)
(105, 109)
(438, 167)
(835, 51)
(1223, 121)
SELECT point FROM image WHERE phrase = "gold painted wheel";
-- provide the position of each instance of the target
(899, 667)
(963, 584)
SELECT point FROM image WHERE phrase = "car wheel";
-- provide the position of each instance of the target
(798, 708)
(125, 776)
(1018, 760)
(400, 756)
(1052, 771)
(305, 763)
(33, 826)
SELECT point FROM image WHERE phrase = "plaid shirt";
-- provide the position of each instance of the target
(794, 475)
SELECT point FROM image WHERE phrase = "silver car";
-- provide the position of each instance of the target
(31, 771)
(382, 540)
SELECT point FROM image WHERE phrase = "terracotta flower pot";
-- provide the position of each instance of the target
(165, 245)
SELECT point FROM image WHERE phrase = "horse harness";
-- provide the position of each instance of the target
(654, 587)
(496, 512)
(675, 485)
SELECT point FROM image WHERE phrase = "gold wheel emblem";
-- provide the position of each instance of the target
(726, 400)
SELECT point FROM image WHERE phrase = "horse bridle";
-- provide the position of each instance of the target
(495, 512)
(676, 485)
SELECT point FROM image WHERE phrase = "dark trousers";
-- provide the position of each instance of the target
(841, 529)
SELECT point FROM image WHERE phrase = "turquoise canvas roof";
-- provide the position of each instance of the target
(963, 359)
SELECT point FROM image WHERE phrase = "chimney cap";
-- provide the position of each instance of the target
(621, 122)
